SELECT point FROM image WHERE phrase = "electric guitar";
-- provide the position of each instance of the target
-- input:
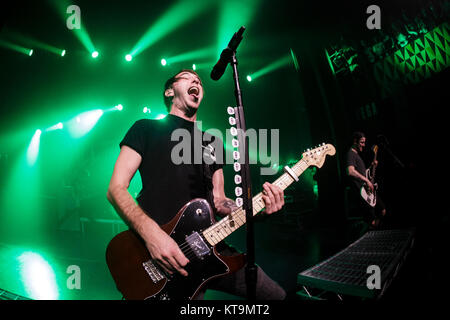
(371, 196)
(197, 233)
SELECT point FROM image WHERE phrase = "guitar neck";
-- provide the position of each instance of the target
(374, 167)
(236, 219)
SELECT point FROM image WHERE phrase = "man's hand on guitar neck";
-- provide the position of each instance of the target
(374, 163)
(273, 197)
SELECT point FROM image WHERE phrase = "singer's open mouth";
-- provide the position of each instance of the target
(193, 91)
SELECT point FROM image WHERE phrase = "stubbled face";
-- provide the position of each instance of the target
(187, 91)
(360, 144)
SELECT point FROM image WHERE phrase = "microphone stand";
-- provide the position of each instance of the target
(382, 140)
(397, 161)
(251, 269)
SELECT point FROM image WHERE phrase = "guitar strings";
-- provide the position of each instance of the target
(187, 249)
(221, 226)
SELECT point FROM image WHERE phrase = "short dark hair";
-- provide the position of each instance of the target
(357, 135)
(170, 82)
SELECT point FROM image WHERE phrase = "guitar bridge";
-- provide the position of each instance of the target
(152, 270)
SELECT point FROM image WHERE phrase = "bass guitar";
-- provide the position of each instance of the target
(371, 196)
(197, 233)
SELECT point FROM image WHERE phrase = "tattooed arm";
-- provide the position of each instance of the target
(273, 197)
(222, 204)
(225, 206)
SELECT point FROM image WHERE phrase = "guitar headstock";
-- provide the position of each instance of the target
(375, 148)
(316, 157)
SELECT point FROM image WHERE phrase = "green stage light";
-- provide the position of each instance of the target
(160, 116)
(202, 66)
(63, 53)
(118, 107)
(33, 148)
(249, 78)
(128, 57)
(15, 47)
(294, 60)
(34, 43)
(233, 14)
(180, 13)
(147, 110)
(84, 123)
(94, 54)
(57, 126)
(30, 53)
(163, 62)
(277, 64)
(81, 33)
(38, 276)
(196, 54)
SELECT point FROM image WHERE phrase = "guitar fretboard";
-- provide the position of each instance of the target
(222, 229)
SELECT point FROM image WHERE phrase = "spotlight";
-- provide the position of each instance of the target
(30, 53)
(85, 122)
(128, 57)
(271, 67)
(163, 62)
(33, 148)
(94, 54)
(147, 110)
(194, 67)
(160, 116)
(119, 107)
(63, 53)
(179, 13)
(55, 127)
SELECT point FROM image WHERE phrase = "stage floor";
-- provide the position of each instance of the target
(285, 246)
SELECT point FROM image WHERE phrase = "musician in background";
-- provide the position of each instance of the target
(168, 186)
(356, 172)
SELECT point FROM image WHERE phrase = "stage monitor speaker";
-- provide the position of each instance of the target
(352, 270)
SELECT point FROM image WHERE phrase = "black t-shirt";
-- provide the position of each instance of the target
(353, 159)
(171, 176)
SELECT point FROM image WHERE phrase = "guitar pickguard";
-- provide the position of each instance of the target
(204, 263)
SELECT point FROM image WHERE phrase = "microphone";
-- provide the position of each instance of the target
(227, 53)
